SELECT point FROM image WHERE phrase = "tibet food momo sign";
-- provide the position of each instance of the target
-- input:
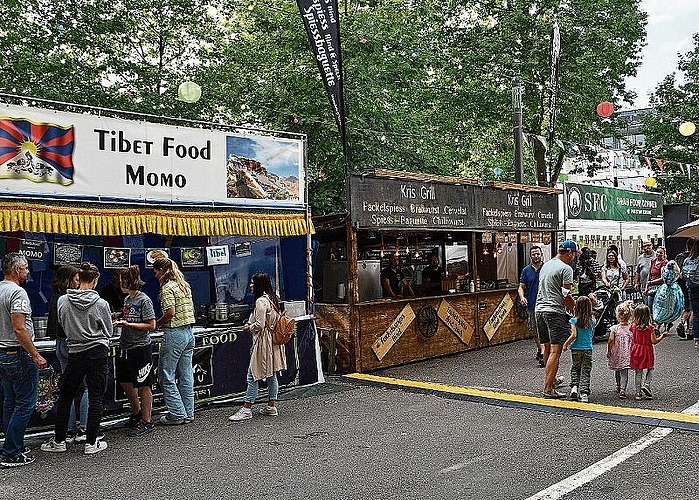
(603, 203)
(85, 156)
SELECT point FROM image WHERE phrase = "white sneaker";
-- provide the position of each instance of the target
(54, 447)
(584, 398)
(269, 410)
(558, 381)
(574, 392)
(242, 414)
(91, 449)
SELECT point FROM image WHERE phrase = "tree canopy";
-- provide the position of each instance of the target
(427, 84)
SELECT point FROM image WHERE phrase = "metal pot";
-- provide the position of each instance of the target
(221, 312)
(40, 324)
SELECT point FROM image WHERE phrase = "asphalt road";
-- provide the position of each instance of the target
(352, 439)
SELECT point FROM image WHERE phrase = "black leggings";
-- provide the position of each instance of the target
(90, 365)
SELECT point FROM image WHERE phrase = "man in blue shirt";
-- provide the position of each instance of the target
(528, 288)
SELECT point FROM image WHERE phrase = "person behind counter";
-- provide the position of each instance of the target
(266, 358)
(392, 278)
(19, 360)
(177, 349)
(432, 276)
(134, 364)
(87, 321)
(112, 292)
(67, 277)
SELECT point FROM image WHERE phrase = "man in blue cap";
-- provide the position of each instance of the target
(552, 300)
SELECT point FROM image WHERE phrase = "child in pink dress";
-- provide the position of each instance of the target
(619, 348)
(643, 351)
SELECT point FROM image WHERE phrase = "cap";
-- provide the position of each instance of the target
(645, 242)
(568, 246)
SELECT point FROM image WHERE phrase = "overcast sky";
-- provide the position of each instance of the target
(671, 24)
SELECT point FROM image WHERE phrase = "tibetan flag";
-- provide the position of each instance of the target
(40, 152)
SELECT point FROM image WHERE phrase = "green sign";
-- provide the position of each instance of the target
(603, 203)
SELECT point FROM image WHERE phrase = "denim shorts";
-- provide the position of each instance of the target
(554, 328)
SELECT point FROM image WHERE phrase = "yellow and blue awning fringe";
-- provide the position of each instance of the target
(117, 221)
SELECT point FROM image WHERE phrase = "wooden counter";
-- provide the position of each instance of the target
(394, 332)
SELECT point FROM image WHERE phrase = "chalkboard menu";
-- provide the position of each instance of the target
(410, 204)
(513, 210)
(380, 203)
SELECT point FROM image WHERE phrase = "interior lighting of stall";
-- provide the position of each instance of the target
(499, 248)
(381, 254)
(485, 250)
(509, 247)
(371, 235)
(448, 237)
(417, 248)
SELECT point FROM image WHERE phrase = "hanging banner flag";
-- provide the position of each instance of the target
(322, 21)
(555, 56)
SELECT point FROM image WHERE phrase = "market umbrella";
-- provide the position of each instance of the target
(687, 231)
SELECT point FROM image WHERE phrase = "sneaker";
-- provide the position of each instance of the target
(622, 394)
(188, 420)
(91, 449)
(166, 420)
(558, 381)
(80, 435)
(584, 398)
(269, 410)
(18, 461)
(646, 392)
(553, 394)
(141, 428)
(574, 392)
(70, 436)
(638, 396)
(54, 447)
(681, 333)
(242, 414)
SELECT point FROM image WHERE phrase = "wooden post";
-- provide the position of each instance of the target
(353, 294)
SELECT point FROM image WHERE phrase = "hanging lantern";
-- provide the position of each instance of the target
(687, 128)
(605, 109)
(497, 171)
(189, 92)
(650, 182)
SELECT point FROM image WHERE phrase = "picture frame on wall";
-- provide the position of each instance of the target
(192, 257)
(67, 254)
(153, 254)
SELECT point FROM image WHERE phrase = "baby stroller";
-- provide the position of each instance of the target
(605, 311)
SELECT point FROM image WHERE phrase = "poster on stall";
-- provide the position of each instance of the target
(67, 254)
(192, 257)
(117, 258)
(153, 254)
(32, 249)
(217, 255)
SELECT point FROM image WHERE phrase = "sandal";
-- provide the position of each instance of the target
(696, 344)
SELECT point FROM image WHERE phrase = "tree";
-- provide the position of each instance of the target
(675, 103)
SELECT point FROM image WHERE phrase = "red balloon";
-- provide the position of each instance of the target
(605, 109)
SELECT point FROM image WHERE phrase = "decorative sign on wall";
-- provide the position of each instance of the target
(388, 338)
(32, 249)
(192, 257)
(498, 317)
(67, 254)
(117, 258)
(217, 255)
(455, 322)
(153, 254)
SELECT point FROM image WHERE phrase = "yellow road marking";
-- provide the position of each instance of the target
(540, 401)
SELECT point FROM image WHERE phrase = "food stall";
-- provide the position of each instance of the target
(223, 203)
(479, 233)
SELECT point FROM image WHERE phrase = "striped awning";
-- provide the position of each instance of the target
(98, 220)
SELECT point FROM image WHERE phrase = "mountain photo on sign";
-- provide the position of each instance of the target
(263, 168)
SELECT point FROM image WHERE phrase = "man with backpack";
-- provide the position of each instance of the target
(683, 326)
(690, 274)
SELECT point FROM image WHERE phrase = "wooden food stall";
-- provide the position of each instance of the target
(223, 203)
(476, 231)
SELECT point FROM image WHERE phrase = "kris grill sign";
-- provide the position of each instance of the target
(602, 203)
(84, 156)
(380, 203)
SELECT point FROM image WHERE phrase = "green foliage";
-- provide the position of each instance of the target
(675, 103)
(427, 84)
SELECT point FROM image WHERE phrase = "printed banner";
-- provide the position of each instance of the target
(322, 22)
(498, 317)
(603, 203)
(395, 330)
(32, 249)
(85, 156)
(217, 255)
(455, 322)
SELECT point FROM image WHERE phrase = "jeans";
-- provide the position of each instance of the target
(694, 301)
(80, 401)
(580, 371)
(272, 388)
(19, 378)
(175, 371)
(90, 366)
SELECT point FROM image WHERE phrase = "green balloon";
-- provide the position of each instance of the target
(189, 92)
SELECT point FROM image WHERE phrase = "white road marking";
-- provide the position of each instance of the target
(591, 473)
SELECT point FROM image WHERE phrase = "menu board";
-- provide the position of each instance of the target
(380, 203)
